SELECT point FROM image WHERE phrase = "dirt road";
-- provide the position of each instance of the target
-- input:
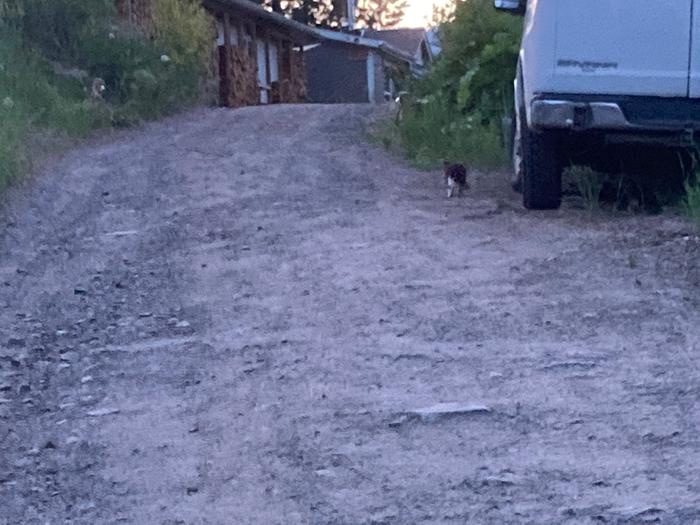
(255, 317)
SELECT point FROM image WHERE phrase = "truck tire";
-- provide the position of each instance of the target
(541, 180)
(515, 176)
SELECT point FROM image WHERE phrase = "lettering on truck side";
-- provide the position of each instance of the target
(587, 66)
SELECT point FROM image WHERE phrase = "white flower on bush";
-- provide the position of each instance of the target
(164, 58)
(8, 103)
(112, 36)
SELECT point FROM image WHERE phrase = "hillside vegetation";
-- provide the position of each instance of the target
(456, 111)
(71, 66)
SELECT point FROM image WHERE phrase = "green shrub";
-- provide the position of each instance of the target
(13, 129)
(59, 27)
(182, 27)
(463, 99)
(44, 98)
(145, 78)
(430, 132)
(51, 50)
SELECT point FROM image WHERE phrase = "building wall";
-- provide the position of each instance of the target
(234, 77)
(380, 78)
(337, 73)
(246, 81)
(241, 79)
(292, 88)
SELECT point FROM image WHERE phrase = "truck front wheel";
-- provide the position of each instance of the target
(541, 168)
(515, 177)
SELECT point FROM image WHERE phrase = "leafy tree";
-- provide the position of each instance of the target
(477, 64)
(330, 13)
(457, 108)
(442, 13)
(57, 27)
(319, 13)
(377, 14)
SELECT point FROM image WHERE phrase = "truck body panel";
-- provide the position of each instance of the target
(694, 90)
(611, 47)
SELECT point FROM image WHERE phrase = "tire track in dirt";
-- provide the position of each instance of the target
(234, 316)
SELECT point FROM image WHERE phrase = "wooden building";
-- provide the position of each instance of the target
(413, 42)
(350, 68)
(259, 56)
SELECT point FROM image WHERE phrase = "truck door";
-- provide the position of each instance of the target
(694, 85)
(639, 47)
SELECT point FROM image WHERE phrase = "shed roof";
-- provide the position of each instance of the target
(407, 40)
(357, 40)
(296, 31)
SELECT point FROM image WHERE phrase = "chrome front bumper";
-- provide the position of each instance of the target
(564, 114)
(652, 121)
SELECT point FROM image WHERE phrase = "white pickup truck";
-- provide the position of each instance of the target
(616, 71)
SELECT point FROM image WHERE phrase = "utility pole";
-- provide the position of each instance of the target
(346, 10)
(351, 14)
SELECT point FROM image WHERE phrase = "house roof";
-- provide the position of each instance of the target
(300, 33)
(407, 40)
(433, 37)
(357, 40)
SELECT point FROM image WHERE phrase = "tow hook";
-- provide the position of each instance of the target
(581, 117)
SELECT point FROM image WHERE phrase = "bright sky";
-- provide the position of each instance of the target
(420, 12)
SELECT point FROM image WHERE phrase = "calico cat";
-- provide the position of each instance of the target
(455, 177)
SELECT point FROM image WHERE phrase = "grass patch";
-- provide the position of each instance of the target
(430, 135)
(385, 133)
(456, 110)
(430, 132)
(589, 183)
(13, 155)
(51, 51)
(33, 97)
(692, 200)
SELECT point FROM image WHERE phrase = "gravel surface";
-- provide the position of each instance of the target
(256, 317)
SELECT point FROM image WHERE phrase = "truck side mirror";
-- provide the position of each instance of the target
(515, 7)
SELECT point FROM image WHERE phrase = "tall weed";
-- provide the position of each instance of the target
(433, 131)
(13, 129)
(463, 99)
(590, 185)
(183, 28)
(692, 190)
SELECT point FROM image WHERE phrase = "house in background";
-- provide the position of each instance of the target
(263, 57)
(413, 42)
(434, 41)
(349, 68)
(364, 65)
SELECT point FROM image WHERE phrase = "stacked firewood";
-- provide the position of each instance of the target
(276, 92)
(243, 79)
(293, 90)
